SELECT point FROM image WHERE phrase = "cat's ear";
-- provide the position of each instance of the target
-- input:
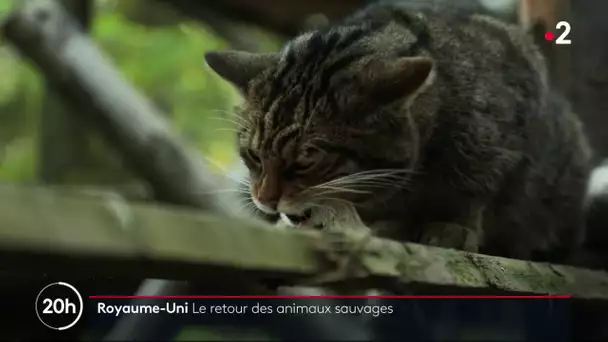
(239, 67)
(401, 78)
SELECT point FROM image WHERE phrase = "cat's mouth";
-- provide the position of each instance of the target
(300, 219)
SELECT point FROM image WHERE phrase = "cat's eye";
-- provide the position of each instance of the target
(296, 169)
(301, 167)
(308, 158)
(309, 152)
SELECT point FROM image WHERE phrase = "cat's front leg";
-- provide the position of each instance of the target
(464, 233)
(450, 235)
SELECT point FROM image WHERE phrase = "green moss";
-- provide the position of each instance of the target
(408, 268)
(463, 270)
(540, 279)
(508, 274)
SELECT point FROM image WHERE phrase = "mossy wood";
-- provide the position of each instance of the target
(41, 229)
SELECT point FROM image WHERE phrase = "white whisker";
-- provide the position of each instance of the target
(336, 189)
(248, 206)
(363, 182)
(335, 200)
(233, 119)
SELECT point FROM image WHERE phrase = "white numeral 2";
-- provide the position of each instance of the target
(562, 38)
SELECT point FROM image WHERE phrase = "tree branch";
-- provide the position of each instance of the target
(47, 35)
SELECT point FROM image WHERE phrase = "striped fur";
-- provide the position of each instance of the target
(476, 151)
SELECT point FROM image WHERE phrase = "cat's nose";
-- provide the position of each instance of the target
(267, 200)
(270, 203)
(267, 207)
(269, 192)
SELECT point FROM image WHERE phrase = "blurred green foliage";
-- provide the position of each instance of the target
(164, 61)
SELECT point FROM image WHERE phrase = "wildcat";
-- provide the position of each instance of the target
(439, 126)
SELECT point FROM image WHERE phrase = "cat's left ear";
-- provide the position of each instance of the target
(239, 67)
(401, 78)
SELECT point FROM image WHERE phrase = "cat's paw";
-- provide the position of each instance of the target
(343, 248)
(337, 244)
(450, 235)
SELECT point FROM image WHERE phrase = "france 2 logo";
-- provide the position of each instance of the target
(564, 27)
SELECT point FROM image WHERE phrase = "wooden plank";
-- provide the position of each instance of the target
(97, 235)
(160, 241)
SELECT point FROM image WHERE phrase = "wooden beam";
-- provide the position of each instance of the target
(101, 234)
(62, 139)
(66, 151)
(92, 235)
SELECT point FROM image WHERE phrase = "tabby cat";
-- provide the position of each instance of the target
(439, 126)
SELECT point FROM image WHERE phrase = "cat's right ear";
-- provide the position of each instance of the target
(239, 67)
(401, 78)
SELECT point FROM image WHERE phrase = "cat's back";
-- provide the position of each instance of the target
(465, 43)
